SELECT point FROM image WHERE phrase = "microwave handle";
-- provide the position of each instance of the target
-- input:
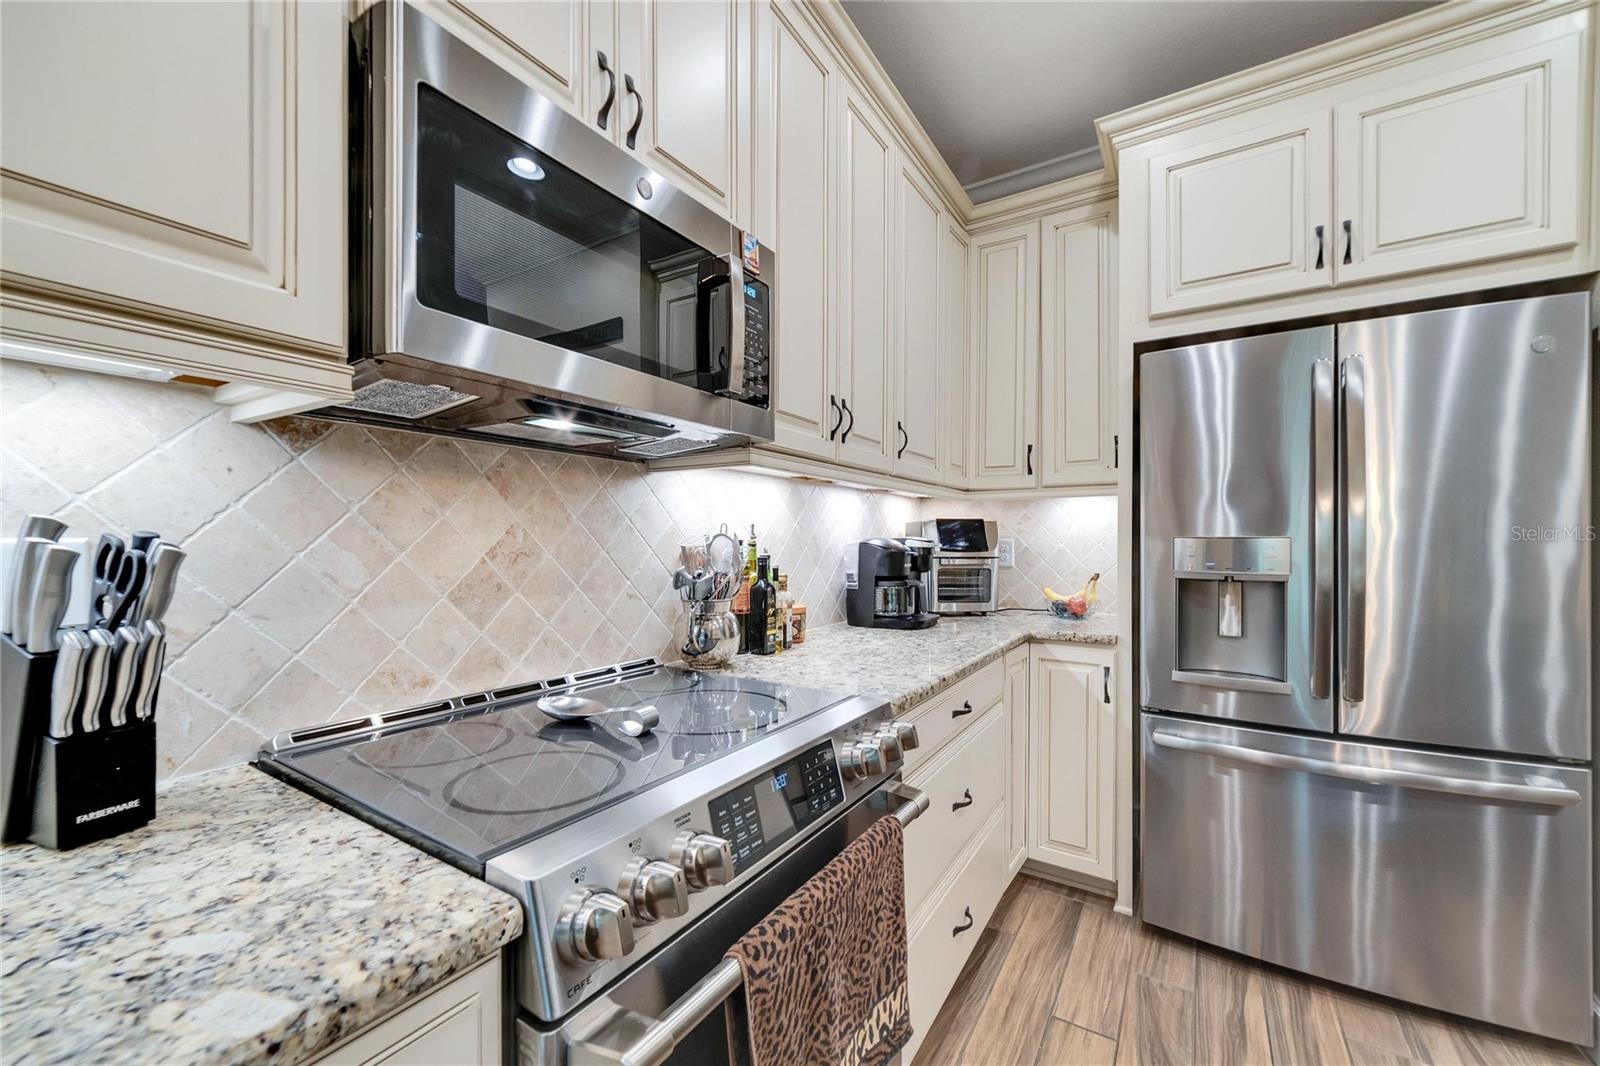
(733, 383)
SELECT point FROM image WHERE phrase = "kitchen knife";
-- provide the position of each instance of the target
(47, 603)
(124, 661)
(95, 675)
(38, 525)
(67, 682)
(143, 540)
(152, 657)
(24, 566)
(162, 582)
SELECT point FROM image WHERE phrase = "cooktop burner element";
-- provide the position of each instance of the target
(485, 772)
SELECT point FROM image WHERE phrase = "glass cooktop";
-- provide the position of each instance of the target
(488, 778)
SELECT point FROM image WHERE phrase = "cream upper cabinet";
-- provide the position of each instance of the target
(919, 229)
(1077, 433)
(798, 156)
(1005, 357)
(1071, 812)
(954, 301)
(862, 372)
(1243, 217)
(546, 43)
(679, 63)
(1462, 161)
(174, 186)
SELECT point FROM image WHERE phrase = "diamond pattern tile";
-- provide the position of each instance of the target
(336, 570)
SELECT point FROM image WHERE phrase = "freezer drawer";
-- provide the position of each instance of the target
(1454, 882)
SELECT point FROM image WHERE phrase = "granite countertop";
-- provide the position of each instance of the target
(908, 666)
(248, 922)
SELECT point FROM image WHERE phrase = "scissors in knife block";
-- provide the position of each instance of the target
(125, 588)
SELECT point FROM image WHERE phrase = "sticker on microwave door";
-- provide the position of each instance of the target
(750, 248)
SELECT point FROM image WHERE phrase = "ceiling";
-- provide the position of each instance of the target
(1009, 89)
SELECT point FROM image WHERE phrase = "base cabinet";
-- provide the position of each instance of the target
(1072, 744)
(459, 1022)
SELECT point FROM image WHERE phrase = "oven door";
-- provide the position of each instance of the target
(510, 241)
(613, 1023)
(963, 586)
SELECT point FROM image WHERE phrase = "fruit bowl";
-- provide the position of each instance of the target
(1060, 609)
(1077, 605)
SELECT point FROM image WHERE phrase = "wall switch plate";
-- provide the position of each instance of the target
(1008, 553)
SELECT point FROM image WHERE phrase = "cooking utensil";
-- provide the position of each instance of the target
(143, 540)
(67, 682)
(24, 568)
(571, 708)
(119, 686)
(47, 602)
(96, 672)
(38, 525)
(108, 554)
(637, 721)
(127, 590)
(162, 582)
(152, 657)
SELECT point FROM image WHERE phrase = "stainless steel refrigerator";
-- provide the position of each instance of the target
(1365, 652)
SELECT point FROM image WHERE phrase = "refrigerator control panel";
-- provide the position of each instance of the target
(1263, 558)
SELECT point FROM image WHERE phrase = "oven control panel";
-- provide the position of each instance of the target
(605, 893)
(761, 814)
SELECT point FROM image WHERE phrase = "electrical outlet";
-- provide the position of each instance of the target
(1008, 553)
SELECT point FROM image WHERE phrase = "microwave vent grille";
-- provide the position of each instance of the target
(405, 399)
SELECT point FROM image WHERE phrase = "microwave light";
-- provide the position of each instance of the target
(523, 167)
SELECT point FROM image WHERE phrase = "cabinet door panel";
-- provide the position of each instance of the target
(1017, 714)
(916, 271)
(1078, 366)
(683, 60)
(1005, 356)
(1073, 748)
(866, 192)
(218, 207)
(1463, 165)
(543, 41)
(1236, 219)
(795, 193)
(955, 297)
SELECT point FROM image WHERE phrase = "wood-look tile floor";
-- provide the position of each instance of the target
(1060, 979)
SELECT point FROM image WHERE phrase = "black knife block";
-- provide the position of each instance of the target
(61, 792)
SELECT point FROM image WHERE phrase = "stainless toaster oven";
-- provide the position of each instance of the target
(964, 578)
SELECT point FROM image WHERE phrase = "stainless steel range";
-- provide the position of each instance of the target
(644, 815)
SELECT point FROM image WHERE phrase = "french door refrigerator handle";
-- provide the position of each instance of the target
(1548, 795)
(1354, 561)
(1321, 527)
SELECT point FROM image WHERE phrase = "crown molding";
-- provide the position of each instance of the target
(1446, 26)
(831, 18)
(1045, 172)
(1095, 186)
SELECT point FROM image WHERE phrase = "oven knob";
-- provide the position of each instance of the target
(594, 924)
(888, 742)
(872, 759)
(907, 734)
(705, 860)
(656, 888)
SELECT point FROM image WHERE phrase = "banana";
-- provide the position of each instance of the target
(1079, 602)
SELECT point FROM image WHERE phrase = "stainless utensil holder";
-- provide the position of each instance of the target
(62, 792)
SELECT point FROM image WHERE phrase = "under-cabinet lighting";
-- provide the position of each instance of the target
(99, 364)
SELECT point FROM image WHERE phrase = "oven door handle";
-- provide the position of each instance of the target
(665, 1033)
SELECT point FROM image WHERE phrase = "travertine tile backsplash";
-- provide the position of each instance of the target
(335, 570)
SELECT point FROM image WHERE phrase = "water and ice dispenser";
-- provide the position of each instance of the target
(1232, 612)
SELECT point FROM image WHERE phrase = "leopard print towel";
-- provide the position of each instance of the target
(825, 973)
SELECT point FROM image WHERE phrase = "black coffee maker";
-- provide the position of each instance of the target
(885, 589)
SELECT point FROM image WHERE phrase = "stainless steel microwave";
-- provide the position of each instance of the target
(518, 277)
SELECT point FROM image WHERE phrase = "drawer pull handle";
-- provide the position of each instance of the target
(963, 710)
(962, 928)
(960, 803)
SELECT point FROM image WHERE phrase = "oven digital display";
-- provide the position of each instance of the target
(962, 535)
(761, 814)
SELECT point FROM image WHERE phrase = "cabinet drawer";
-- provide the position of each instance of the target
(940, 946)
(940, 718)
(964, 784)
